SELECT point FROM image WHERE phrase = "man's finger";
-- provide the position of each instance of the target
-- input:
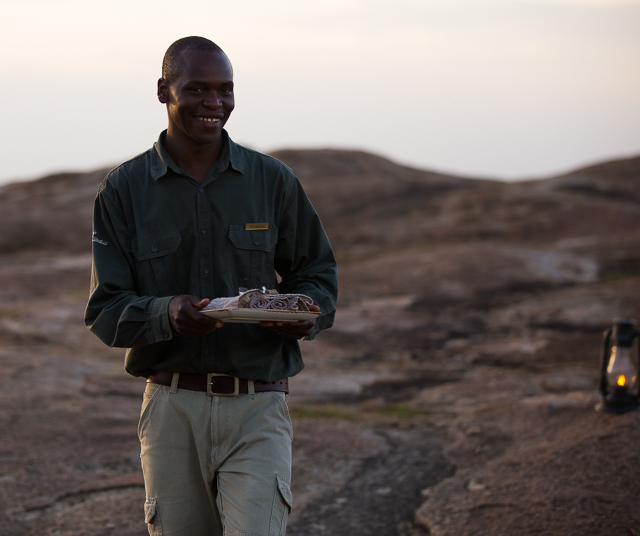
(186, 318)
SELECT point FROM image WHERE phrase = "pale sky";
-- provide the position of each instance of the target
(507, 89)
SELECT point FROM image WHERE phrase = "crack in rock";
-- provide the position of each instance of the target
(44, 506)
(383, 494)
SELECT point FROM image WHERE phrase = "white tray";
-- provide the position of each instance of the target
(255, 316)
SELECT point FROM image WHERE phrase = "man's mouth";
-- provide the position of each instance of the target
(208, 120)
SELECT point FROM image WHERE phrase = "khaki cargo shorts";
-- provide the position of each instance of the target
(215, 465)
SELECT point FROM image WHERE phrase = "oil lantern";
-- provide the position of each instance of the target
(619, 372)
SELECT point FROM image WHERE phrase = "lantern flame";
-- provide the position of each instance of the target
(621, 381)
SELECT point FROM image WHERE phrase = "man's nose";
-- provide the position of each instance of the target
(212, 100)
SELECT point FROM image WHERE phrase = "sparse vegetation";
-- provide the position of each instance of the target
(322, 412)
(402, 411)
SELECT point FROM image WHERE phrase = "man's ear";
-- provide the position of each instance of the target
(163, 91)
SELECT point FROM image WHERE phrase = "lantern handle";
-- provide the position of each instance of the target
(605, 361)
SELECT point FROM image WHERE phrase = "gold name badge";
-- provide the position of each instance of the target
(255, 226)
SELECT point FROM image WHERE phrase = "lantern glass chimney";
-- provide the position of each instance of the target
(622, 374)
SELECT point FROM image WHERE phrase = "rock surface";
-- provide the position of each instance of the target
(454, 396)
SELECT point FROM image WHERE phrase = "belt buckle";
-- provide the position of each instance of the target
(236, 385)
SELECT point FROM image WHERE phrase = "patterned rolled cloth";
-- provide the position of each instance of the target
(222, 303)
(253, 300)
(258, 299)
(279, 303)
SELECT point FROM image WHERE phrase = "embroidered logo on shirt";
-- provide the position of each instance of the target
(255, 226)
(95, 239)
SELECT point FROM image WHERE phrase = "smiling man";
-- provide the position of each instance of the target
(193, 218)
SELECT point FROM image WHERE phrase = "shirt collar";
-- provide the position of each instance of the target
(160, 159)
(235, 158)
(161, 162)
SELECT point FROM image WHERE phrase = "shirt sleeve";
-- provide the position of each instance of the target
(304, 257)
(116, 313)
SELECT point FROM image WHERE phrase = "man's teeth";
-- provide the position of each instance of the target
(209, 119)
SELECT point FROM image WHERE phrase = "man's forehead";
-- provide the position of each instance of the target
(192, 58)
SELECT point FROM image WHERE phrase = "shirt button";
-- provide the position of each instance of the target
(154, 249)
(204, 231)
(257, 242)
(206, 352)
(201, 190)
(206, 270)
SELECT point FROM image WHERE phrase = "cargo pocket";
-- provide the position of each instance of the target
(151, 516)
(160, 261)
(282, 503)
(250, 259)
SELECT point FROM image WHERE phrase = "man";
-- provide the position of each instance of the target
(193, 218)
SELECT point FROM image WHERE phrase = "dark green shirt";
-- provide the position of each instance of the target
(158, 233)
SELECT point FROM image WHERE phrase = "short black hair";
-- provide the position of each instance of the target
(171, 62)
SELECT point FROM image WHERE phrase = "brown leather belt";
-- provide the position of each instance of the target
(217, 384)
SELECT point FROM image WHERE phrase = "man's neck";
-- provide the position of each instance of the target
(196, 159)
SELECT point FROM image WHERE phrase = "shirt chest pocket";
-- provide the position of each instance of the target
(250, 257)
(160, 266)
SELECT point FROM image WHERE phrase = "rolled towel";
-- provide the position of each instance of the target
(259, 299)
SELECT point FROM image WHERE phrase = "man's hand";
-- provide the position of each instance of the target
(186, 318)
(293, 330)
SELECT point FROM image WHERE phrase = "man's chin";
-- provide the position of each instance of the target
(208, 138)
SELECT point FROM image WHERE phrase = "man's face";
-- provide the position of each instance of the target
(200, 99)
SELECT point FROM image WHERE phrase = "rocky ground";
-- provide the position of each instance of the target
(454, 396)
